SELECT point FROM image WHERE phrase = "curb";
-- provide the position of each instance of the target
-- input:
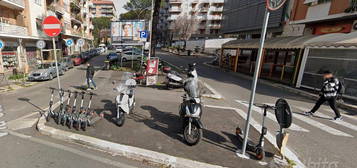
(134, 153)
(286, 88)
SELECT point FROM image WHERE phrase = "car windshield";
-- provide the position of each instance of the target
(44, 66)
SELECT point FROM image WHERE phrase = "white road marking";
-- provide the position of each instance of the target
(321, 126)
(269, 136)
(272, 117)
(344, 115)
(68, 149)
(341, 122)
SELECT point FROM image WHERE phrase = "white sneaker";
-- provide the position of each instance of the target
(338, 118)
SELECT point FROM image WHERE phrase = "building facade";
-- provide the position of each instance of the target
(334, 23)
(208, 14)
(102, 8)
(21, 27)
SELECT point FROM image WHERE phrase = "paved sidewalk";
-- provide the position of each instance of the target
(156, 126)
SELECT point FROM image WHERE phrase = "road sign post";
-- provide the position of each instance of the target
(80, 43)
(52, 27)
(271, 5)
(2, 45)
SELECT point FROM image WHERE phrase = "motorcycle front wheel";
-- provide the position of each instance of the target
(121, 120)
(194, 137)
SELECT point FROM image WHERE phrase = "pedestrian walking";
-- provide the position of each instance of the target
(329, 92)
(90, 74)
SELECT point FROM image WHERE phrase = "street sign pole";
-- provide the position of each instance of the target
(255, 80)
(56, 63)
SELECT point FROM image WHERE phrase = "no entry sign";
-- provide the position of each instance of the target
(51, 26)
(275, 4)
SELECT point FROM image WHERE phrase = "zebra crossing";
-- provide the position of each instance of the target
(310, 121)
(3, 126)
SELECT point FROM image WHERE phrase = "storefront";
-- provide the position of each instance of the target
(281, 57)
(9, 56)
(337, 54)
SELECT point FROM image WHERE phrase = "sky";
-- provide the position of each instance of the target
(119, 6)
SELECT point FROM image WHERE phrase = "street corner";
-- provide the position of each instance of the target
(155, 128)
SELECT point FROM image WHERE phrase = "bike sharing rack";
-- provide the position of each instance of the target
(283, 115)
(69, 114)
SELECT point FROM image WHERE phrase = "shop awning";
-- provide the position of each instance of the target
(273, 43)
(335, 40)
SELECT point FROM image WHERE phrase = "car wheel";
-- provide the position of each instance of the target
(51, 77)
(124, 59)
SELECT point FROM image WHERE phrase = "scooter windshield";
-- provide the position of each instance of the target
(191, 87)
(126, 82)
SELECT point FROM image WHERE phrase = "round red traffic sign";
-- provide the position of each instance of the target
(51, 26)
(275, 4)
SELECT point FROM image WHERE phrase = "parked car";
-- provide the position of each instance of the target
(61, 68)
(77, 60)
(112, 57)
(67, 62)
(45, 71)
(129, 55)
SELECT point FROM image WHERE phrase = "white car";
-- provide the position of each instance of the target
(129, 55)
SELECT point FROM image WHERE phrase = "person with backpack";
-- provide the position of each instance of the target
(90, 74)
(330, 90)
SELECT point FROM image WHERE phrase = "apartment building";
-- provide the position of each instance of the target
(21, 27)
(103, 8)
(208, 14)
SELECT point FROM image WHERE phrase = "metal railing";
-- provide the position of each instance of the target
(13, 29)
(17, 2)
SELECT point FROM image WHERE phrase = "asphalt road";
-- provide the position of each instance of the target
(316, 141)
(24, 147)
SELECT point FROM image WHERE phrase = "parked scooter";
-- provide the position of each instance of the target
(81, 113)
(125, 101)
(257, 149)
(191, 109)
(50, 110)
(64, 111)
(69, 117)
(173, 80)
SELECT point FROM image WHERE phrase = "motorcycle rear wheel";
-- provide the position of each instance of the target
(196, 134)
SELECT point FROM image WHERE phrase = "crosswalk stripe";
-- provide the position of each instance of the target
(321, 126)
(344, 115)
(341, 122)
(293, 126)
(269, 136)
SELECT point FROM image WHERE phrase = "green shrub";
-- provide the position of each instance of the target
(17, 77)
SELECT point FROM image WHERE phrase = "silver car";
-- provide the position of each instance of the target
(45, 71)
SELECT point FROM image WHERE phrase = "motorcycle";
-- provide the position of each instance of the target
(125, 101)
(191, 109)
(173, 80)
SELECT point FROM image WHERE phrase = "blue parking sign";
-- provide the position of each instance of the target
(144, 34)
(69, 42)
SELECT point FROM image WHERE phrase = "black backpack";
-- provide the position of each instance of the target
(341, 88)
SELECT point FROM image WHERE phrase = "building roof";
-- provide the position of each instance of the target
(103, 3)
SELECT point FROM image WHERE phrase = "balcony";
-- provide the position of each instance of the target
(216, 9)
(175, 10)
(9, 29)
(56, 8)
(214, 26)
(214, 17)
(76, 18)
(13, 4)
(175, 1)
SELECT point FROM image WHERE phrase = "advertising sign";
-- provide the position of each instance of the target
(153, 66)
(127, 30)
(2, 44)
